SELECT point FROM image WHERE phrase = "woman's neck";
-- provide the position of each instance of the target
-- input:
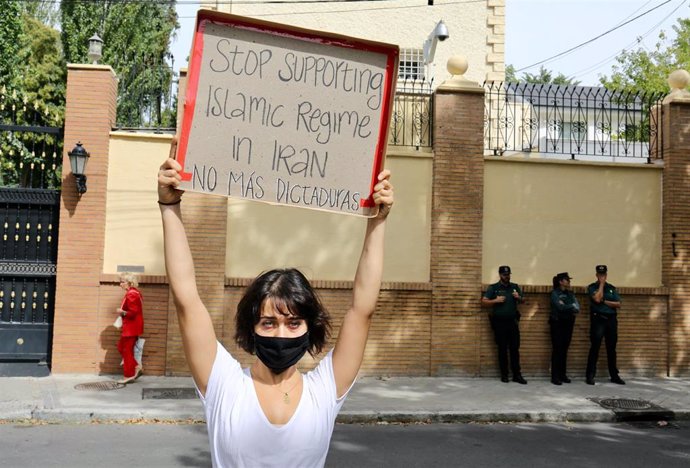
(265, 376)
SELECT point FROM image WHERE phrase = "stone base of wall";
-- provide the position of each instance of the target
(401, 333)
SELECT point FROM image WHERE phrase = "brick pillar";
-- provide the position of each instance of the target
(456, 228)
(89, 116)
(206, 220)
(675, 257)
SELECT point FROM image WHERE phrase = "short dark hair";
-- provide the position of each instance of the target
(292, 294)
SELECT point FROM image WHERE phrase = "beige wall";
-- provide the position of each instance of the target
(326, 246)
(406, 23)
(133, 229)
(537, 218)
(544, 217)
(260, 236)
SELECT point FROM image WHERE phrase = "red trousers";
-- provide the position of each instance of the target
(126, 348)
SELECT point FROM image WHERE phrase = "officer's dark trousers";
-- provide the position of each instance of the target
(561, 335)
(606, 327)
(507, 335)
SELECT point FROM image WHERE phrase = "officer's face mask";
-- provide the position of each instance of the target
(278, 354)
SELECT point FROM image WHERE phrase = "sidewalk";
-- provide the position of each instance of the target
(398, 399)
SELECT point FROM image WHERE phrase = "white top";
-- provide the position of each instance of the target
(241, 435)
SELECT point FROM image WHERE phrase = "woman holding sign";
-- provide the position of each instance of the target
(270, 414)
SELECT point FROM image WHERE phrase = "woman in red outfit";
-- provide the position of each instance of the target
(131, 311)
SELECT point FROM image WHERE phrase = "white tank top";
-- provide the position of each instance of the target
(241, 435)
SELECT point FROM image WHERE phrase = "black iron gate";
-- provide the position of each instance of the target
(30, 173)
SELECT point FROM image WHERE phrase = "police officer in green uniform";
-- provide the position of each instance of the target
(504, 297)
(564, 307)
(604, 304)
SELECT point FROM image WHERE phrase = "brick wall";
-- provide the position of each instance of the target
(456, 232)
(155, 294)
(435, 328)
(642, 335)
(399, 341)
(89, 116)
(675, 256)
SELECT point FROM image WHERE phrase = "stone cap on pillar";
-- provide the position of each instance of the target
(88, 66)
(678, 81)
(457, 66)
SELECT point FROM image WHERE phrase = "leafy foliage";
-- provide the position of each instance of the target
(44, 11)
(136, 37)
(10, 30)
(642, 70)
(544, 76)
(34, 96)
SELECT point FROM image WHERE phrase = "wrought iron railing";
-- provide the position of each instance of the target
(578, 121)
(147, 94)
(30, 143)
(412, 117)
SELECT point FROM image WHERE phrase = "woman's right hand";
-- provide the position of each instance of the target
(169, 178)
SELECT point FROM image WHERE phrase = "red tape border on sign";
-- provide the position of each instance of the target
(266, 27)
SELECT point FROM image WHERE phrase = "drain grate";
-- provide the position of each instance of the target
(103, 386)
(174, 393)
(628, 409)
(625, 403)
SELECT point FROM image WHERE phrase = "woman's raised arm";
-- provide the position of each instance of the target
(352, 340)
(196, 328)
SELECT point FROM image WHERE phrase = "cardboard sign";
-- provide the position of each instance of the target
(286, 115)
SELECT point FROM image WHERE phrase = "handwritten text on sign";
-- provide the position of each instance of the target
(284, 120)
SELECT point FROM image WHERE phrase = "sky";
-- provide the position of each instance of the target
(540, 29)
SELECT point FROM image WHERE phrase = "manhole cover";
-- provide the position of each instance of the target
(628, 409)
(99, 386)
(625, 403)
(179, 393)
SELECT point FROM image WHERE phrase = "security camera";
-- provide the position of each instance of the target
(441, 31)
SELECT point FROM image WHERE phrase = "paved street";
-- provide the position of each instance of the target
(475, 445)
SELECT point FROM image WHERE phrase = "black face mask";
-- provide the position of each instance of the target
(280, 353)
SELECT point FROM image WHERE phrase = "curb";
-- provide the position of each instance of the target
(85, 416)
(365, 417)
(82, 416)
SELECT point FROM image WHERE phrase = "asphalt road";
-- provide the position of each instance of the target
(435, 445)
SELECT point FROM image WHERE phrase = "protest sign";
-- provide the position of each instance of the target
(286, 115)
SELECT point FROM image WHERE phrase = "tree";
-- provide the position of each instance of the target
(10, 30)
(35, 96)
(640, 70)
(545, 76)
(136, 38)
(44, 11)
(511, 76)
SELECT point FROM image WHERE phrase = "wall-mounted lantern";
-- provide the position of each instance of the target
(78, 158)
(95, 49)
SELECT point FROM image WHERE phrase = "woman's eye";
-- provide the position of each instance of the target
(267, 323)
(295, 323)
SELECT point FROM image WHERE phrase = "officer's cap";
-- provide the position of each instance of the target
(504, 270)
(563, 275)
(603, 269)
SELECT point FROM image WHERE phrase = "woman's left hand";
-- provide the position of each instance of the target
(383, 194)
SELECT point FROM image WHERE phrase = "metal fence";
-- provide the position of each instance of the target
(147, 94)
(30, 147)
(30, 179)
(581, 122)
(412, 116)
